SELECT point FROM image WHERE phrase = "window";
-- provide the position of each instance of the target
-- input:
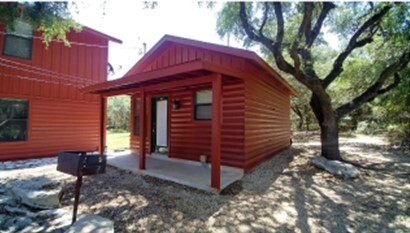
(13, 120)
(137, 117)
(203, 105)
(18, 43)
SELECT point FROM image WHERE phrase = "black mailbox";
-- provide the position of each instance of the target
(79, 163)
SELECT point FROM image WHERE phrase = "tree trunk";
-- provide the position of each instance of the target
(329, 137)
(297, 111)
(329, 128)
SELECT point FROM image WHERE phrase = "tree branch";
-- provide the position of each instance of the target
(371, 23)
(274, 46)
(304, 29)
(327, 6)
(376, 89)
(305, 26)
(265, 18)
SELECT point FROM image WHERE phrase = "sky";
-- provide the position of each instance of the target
(128, 21)
(134, 25)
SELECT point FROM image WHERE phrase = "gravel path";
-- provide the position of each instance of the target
(284, 194)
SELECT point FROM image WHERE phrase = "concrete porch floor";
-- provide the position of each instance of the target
(189, 173)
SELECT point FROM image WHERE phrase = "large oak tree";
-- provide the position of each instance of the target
(290, 32)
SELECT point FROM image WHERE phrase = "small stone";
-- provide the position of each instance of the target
(336, 167)
(295, 175)
(91, 224)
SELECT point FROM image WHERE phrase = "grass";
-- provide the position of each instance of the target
(117, 140)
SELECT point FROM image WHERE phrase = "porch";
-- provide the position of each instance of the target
(189, 173)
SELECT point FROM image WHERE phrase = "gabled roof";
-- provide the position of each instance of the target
(167, 40)
(136, 76)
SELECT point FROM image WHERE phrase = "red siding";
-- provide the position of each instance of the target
(189, 138)
(61, 117)
(54, 126)
(178, 54)
(255, 111)
(267, 119)
(134, 140)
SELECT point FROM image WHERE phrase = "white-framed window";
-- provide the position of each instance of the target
(13, 120)
(19, 42)
(203, 105)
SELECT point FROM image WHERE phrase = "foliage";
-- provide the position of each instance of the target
(118, 112)
(53, 19)
(371, 60)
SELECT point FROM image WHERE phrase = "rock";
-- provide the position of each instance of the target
(6, 200)
(22, 222)
(336, 167)
(295, 175)
(54, 220)
(2, 219)
(16, 224)
(39, 192)
(91, 223)
(17, 210)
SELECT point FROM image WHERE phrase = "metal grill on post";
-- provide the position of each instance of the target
(80, 163)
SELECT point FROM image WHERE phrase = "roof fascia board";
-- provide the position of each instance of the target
(142, 77)
(98, 33)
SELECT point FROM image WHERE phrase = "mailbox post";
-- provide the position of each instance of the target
(80, 163)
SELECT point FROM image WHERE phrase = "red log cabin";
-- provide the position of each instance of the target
(42, 109)
(191, 98)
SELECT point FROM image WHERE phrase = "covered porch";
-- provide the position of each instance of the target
(143, 85)
(189, 173)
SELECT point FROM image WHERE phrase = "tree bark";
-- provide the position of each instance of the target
(329, 129)
(297, 111)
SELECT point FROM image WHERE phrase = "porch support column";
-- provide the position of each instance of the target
(103, 123)
(142, 130)
(216, 131)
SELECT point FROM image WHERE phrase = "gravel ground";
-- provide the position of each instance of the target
(284, 194)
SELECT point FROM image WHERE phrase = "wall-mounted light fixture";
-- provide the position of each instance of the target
(176, 104)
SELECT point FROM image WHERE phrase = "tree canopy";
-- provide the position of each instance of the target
(371, 58)
(53, 19)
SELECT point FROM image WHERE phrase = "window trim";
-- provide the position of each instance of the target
(14, 34)
(28, 125)
(195, 105)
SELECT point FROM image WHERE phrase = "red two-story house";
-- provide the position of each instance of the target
(42, 109)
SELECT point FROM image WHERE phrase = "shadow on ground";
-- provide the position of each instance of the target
(284, 194)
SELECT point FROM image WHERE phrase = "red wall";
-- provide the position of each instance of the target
(256, 111)
(61, 117)
(189, 138)
(179, 54)
(267, 118)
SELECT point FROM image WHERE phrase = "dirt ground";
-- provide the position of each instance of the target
(284, 194)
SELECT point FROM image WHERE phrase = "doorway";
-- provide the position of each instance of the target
(159, 132)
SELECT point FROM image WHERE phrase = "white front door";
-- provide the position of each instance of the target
(162, 123)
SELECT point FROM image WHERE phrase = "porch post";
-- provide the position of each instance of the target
(142, 130)
(103, 123)
(216, 131)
